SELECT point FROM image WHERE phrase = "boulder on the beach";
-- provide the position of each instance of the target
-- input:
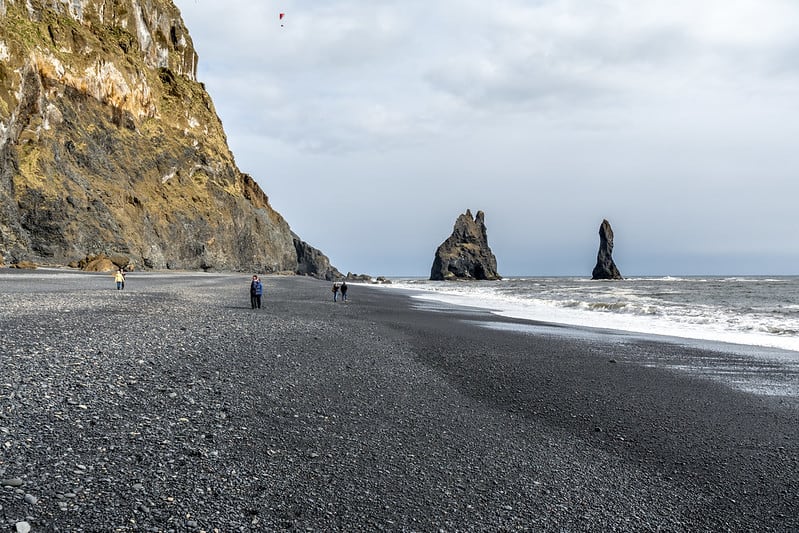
(366, 278)
(605, 267)
(99, 263)
(103, 263)
(466, 254)
(26, 265)
(122, 261)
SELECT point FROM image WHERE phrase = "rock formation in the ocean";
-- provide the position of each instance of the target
(605, 267)
(465, 254)
(109, 145)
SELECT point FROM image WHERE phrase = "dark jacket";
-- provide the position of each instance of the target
(256, 288)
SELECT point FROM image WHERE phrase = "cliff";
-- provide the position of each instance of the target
(109, 145)
(312, 262)
(465, 254)
(605, 267)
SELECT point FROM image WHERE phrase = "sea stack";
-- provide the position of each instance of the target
(465, 254)
(605, 267)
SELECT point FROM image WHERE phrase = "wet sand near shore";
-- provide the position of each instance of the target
(173, 406)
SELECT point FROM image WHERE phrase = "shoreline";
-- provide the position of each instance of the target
(176, 406)
(663, 323)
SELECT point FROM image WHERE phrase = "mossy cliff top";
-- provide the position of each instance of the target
(109, 144)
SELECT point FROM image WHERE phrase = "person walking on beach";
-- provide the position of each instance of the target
(335, 291)
(256, 290)
(344, 291)
(119, 278)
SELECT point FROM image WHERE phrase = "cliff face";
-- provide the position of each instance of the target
(312, 262)
(108, 144)
(465, 254)
(605, 267)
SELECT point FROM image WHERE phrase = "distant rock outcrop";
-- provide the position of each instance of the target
(362, 278)
(605, 267)
(110, 145)
(465, 254)
(312, 262)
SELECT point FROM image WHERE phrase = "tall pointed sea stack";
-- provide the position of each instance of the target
(109, 145)
(605, 267)
(465, 254)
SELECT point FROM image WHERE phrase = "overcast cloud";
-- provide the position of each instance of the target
(372, 126)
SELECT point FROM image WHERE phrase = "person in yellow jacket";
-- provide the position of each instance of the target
(119, 277)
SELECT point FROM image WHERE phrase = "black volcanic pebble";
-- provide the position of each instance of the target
(172, 406)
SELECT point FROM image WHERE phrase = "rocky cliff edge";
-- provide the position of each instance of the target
(109, 145)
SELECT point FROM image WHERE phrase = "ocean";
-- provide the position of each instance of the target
(746, 311)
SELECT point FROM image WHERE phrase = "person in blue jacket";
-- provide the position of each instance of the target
(256, 290)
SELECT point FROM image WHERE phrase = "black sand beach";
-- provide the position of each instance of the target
(172, 406)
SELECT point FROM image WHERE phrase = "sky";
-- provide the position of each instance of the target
(372, 125)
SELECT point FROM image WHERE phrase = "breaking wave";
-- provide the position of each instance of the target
(743, 310)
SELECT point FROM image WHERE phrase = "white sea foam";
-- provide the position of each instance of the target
(748, 311)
